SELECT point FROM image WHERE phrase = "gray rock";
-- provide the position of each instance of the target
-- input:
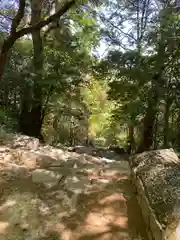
(159, 171)
(45, 177)
(162, 156)
(14, 171)
(19, 141)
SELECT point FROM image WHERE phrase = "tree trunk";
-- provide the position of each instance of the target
(177, 141)
(155, 142)
(33, 119)
(166, 124)
(7, 45)
(14, 34)
(149, 120)
(71, 132)
(157, 82)
(173, 127)
(130, 138)
(153, 98)
(24, 119)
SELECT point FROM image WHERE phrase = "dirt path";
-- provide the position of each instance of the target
(108, 210)
(112, 213)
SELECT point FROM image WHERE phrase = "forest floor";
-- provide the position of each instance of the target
(101, 206)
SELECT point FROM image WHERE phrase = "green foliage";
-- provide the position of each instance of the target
(8, 121)
(106, 100)
(95, 98)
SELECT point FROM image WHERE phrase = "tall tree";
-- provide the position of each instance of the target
(31, 117)
(16, 33)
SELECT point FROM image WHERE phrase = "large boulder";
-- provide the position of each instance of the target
(45, 177)
(154, 157)
(13, 171)
(19, 141)
(156, 175)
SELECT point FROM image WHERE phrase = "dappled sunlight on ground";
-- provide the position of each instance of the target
(104, 207)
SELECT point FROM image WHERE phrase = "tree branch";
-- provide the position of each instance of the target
(14, 34)
(116, 27)
(50, 19)
(17, 19)
(51, 27)
(5, 16)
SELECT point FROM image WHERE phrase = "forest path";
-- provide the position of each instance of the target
(113, 210)
(101, 206)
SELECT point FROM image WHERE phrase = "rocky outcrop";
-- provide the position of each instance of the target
(40, 186)
(156, 175)
(19, 141)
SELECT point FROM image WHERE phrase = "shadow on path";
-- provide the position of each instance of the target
(109, 211)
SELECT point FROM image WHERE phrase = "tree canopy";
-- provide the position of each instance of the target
(102, 72)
